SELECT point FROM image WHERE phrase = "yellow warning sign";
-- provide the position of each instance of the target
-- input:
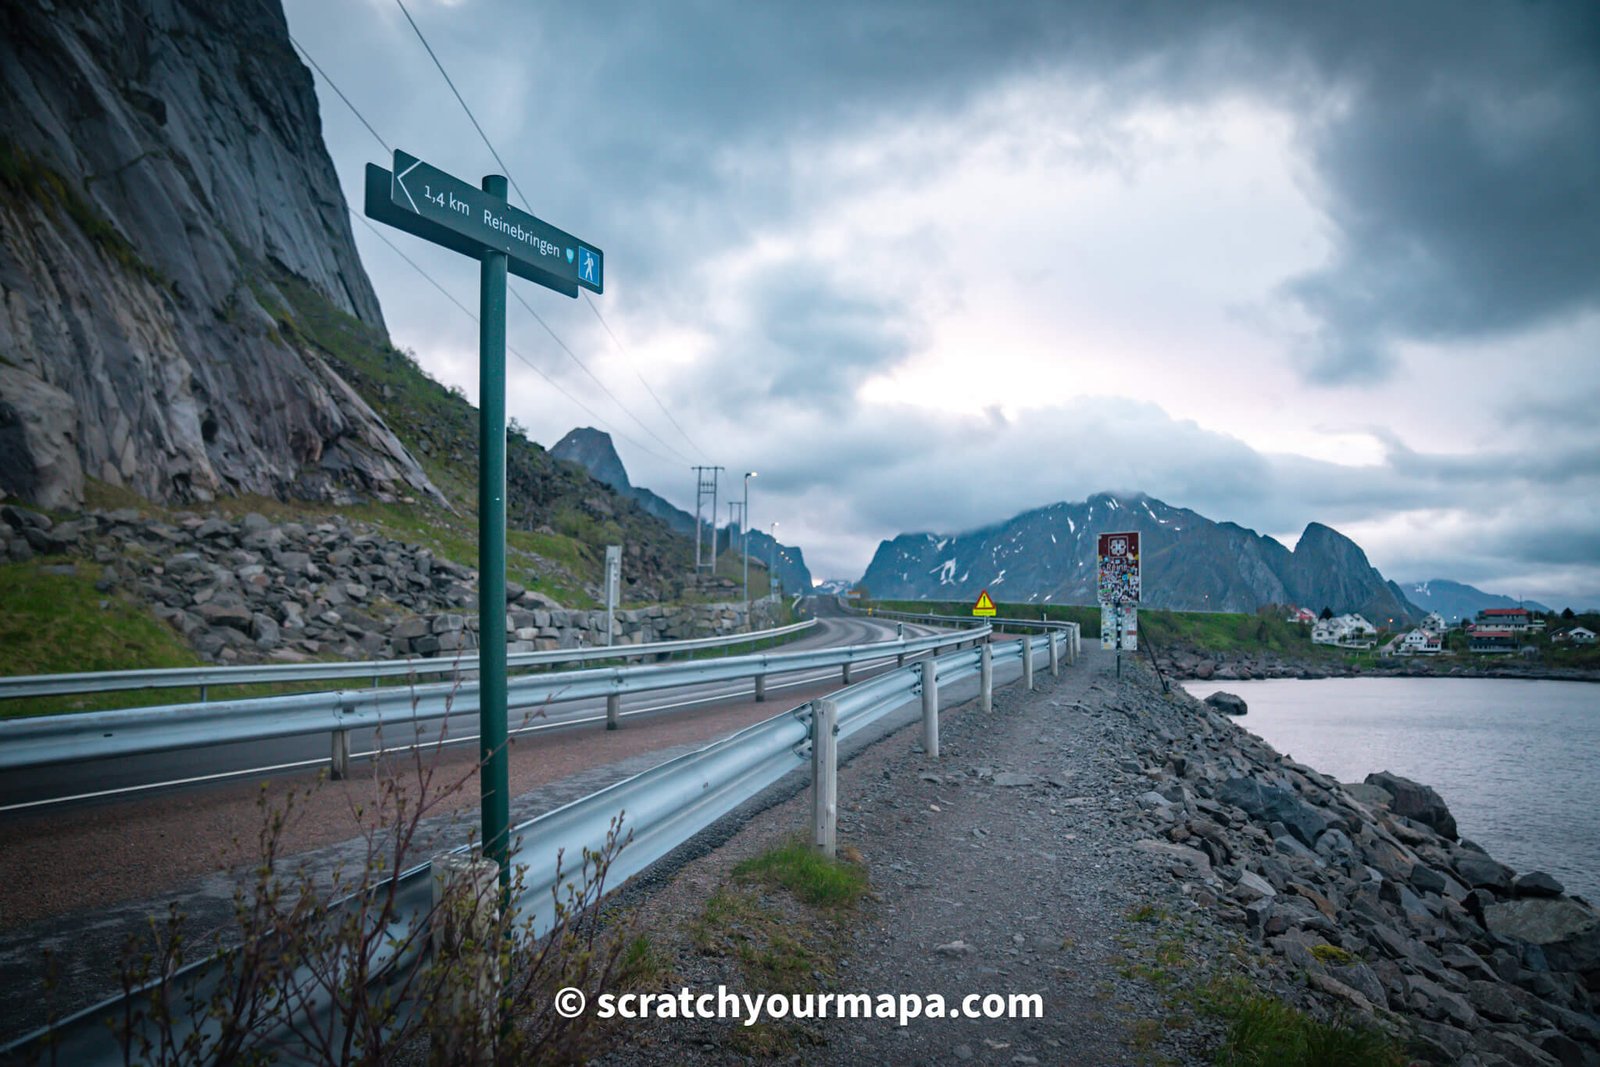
(984, 606)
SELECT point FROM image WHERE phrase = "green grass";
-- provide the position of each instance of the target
(783, 918)
(808, 874)
(56, 624)
(1259, 1030)
(1263, 1031)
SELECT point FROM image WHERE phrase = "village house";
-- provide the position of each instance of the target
(1577, 635)
(1434, 623)
(1421, 642)
(1304, 616)
(1517, 620)
(1485, 640)
(1345, 631)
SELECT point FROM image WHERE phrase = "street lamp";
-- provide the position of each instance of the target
(744, 531)
(772, 568)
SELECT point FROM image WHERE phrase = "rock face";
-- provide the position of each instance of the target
(1189, 561)
(165, 180)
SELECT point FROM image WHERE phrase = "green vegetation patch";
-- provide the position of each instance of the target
(1263, 1031)
(1257, 1029)
(784, 920)
(811, 876)
(57, 623)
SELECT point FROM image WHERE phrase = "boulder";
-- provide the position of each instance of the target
(1481, 871)
(1568, 932)
(1269, 803)
(1227, 703)
(1416, 801)
(225, 612)
(1536, 884)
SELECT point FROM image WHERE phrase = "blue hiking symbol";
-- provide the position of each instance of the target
(588, 266)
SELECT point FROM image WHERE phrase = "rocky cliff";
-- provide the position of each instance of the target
(163, 175)
(1189, 562)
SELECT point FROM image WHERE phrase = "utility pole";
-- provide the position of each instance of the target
(705, 481)
(772, 568)
(744, 533)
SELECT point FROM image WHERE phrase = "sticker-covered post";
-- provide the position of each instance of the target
(1119, 588)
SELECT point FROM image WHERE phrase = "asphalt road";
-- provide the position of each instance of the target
(104, 779)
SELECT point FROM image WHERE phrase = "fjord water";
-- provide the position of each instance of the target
(1517, 761)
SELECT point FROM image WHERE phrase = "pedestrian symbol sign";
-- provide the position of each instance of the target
(984, 607)
(588, 267)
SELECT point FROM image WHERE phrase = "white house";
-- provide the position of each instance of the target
(1421, 642)
(1346, 631)
(1434, 623)
(1578, 635)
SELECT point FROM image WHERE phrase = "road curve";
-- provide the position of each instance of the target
(105, 780)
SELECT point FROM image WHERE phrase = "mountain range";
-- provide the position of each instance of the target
(1457, 600)
(1047, 555)
(594, 451)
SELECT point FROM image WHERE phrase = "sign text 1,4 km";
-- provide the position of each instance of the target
(442, 198)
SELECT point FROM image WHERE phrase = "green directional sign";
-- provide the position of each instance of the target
(464, 209)
(478, 222)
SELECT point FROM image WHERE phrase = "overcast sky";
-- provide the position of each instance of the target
(927, 265)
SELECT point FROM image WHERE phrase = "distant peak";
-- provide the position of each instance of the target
(592, 450)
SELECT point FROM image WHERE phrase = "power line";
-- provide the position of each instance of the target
(418, 30)
(307, 57)
(584, 367)
(526, 204)
(634, 367)
(414, 266)
(529, 363)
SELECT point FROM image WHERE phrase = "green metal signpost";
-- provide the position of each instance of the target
(438, 207)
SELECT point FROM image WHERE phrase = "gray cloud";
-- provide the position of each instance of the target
(1454, 150)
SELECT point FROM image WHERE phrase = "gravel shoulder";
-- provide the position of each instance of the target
(994, 869)
(1144, 866)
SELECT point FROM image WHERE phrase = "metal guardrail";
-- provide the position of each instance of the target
(49, 739)
(999, 624)
(35, 685)
(664, 807)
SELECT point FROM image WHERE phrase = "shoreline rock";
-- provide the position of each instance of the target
(1366, 894)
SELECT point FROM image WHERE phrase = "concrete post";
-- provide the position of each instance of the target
(1055, 653)
(824, 776)
(1027, 662)
(986, 677)
(930, 706)
(846, 673)
(761, 688)
(613, 711)
(462, 935)
(341, 755)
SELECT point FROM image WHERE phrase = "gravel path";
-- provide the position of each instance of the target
(994, 869)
